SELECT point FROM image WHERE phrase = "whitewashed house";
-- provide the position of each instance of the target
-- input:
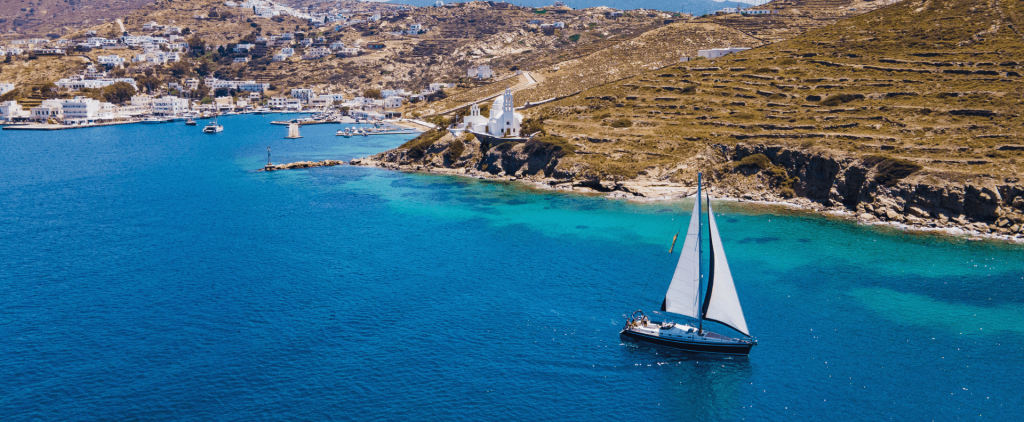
(303, 94)
(6, 87)
(277, 102)
(49, 109)
(170, 106)
(111, 60)
(715, 53)
(11, 111)
(253, 86)
(393, 101)
(480, 72)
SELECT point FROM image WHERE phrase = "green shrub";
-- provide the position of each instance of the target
(787, 193)
(623, 122)
(558, 141)
(838, 99)
(574, 37)
(418, 146)
(532, 125)
(456, 149)
(889, 171)
(787, 62)
(602, 116)
(760, 161)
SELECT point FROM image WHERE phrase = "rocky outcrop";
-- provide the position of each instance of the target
(921, 199)
(301, 165)
(531, 159)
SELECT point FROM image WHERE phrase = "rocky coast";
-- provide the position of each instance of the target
(869, 190)
(301, 165)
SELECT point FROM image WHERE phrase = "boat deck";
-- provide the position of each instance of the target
(682, 332)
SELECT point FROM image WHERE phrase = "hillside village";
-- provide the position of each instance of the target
(258, 53)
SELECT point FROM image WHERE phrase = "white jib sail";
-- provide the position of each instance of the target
(723, 304)
(683, 296)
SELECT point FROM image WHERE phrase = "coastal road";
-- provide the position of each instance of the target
(530, 82)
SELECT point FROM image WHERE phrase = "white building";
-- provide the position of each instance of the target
(253, 86)
(170, 106)
(394, 92)
(503, 121)
(437, 86)
(241, 60)
(49, 109)
(302, 93)
(293, 104)
(80, 110)
(12, 111)
(393, 101)
(277, 102)
(6, 87)
(111, 60)
(142, 101)
(480, 72)
(348, 52)
(715, 53)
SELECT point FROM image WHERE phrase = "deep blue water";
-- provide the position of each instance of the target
(147, 273)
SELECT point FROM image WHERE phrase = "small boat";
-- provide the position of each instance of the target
(688, 297)
(154, 120)
(293, 131)
(213, 127)
(190, 122)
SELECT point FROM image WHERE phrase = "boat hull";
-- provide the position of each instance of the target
(691, 346)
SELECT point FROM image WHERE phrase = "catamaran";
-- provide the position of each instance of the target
(213, 127)
(689, 297)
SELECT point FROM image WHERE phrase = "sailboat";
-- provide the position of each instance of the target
(293, 131)
(688, 296)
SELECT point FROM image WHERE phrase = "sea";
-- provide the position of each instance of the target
(149, 272)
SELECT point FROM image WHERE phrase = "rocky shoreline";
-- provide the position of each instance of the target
(857, 189)
(301, 165)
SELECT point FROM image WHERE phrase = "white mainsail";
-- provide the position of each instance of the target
(683, 296)
(722, 305)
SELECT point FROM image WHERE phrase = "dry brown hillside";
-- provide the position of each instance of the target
(41, 17)
(937, 82)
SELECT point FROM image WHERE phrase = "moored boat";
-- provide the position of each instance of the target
(213, 127)
(692, 299)
(190, 122)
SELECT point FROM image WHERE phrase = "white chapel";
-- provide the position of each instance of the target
(503, 122)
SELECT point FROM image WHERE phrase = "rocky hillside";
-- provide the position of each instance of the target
(896, 115)
(38, 18)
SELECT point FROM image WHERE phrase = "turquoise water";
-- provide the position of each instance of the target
(148, 273)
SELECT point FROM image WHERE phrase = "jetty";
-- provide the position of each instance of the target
(301, 165)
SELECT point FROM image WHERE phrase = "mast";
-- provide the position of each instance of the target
(700, 273)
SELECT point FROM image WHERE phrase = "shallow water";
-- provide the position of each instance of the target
(148, 272)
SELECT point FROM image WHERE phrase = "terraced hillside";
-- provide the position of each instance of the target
(908, 113)
(936, 82)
